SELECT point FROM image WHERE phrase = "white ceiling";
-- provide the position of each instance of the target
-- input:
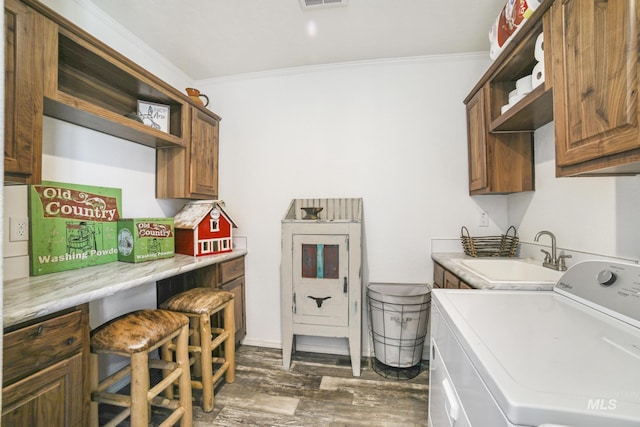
(212, 38)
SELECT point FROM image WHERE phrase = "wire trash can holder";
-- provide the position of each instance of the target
(398, 319)
(504, 245)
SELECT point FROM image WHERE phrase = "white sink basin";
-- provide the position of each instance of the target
(514, 270)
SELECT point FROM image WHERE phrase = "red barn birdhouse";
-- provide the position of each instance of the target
(203, 228)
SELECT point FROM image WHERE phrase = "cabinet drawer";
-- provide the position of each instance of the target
(231, 270)
(32, 348)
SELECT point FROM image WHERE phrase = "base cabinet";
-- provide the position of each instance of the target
(230, 277)
(45, 372)
(44, 398)
(438, 275)
(443, 278)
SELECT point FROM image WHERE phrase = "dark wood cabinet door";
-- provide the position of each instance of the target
(499, 163)
(477, 140)
(595, 83)
(191, 173)
(204, 155)
(25, 32)
(451, 281)
(438, 275)
(464, 285)
(46, 398)
(236, 287)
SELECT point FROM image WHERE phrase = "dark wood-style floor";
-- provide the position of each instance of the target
(318, 390)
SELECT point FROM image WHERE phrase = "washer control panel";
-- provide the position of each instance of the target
(611, 287)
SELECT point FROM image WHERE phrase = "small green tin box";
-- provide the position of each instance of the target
(145, 239)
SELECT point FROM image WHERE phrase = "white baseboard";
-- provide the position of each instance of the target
(261, 343)
(301, 346)
(326, 349)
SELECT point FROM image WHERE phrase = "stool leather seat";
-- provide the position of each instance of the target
(198, 301)
(136, 331)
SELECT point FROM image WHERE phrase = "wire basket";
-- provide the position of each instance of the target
(504, 245)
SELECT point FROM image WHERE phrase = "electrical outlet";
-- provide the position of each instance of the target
(18, 229)
(483, 221)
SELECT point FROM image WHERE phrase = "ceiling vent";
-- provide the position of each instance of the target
(313, 4)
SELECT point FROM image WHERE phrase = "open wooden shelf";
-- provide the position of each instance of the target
(533, 111)
(536, 108)
(95, 90)
(516, 61)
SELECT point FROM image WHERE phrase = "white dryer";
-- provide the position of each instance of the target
(567, 357)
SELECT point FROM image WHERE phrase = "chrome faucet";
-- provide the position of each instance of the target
(550, 259)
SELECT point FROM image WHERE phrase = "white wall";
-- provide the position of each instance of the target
(599, 215)
(392, 132)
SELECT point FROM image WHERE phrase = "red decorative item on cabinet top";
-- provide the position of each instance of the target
(203, 228)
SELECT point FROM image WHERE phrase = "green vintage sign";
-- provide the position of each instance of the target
(72, 226)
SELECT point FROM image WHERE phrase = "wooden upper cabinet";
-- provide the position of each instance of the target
(93, 86)
(499, 163)
(595, 80)
(25, 34)
(477, 141)
(191, 173)
(204, 155)
(54, 68)
(500, 156)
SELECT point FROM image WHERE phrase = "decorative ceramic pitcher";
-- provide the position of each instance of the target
(195, 95)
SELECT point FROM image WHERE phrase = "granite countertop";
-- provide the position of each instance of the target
(31, 297)
(477, 282)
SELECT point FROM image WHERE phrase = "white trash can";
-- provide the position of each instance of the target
(398, 318)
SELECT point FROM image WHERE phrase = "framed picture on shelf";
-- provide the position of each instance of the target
(154, 115)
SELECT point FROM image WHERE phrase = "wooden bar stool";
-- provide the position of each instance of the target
(135, 335)
(199, 304)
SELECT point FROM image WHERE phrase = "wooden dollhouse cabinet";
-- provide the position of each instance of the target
(321, 283)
